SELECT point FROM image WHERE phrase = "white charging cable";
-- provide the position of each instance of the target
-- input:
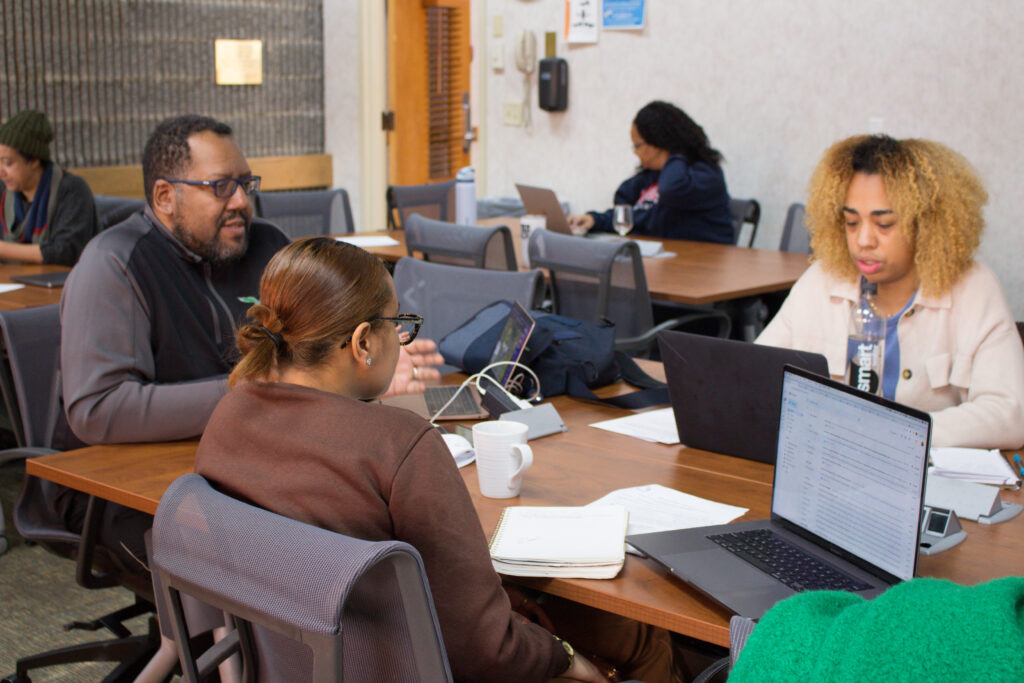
(536, 397)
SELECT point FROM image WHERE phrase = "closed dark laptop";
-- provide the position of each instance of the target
(846, 505)
(43, 279)
(725, 394)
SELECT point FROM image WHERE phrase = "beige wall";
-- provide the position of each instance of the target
(773, 82)
(341, 96)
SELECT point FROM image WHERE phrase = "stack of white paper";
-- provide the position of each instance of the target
(658, 508)
(367, 241)
(652, 425)
(571, 542)
(974, 464)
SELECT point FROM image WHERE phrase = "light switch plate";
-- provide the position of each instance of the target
(513, 114)
(496, 55)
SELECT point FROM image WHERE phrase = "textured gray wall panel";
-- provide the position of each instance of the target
(107, 71)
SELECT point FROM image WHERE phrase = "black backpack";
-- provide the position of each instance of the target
(569, 356)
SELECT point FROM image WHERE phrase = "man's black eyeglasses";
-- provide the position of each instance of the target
(407, 325)
(223, 188)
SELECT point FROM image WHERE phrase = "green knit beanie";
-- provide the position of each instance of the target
(28, 132)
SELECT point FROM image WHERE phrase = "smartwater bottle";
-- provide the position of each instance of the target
(465, 196)
(867, 342)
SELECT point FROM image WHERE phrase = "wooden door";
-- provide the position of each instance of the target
(428, 90)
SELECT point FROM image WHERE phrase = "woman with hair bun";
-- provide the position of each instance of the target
(295, 436)
(679, 190)
(907, 216)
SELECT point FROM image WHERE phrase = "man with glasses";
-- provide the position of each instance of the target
(150, 313)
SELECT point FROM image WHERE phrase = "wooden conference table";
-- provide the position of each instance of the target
(699, 273)
(28, 296)
(573, 468)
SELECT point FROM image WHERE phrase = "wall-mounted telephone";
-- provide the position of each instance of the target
(526, 62)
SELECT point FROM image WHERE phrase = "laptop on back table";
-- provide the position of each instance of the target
(846, 505)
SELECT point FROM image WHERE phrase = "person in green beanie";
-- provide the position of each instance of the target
(46, 214)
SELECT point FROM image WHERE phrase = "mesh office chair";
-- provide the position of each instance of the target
(795, 237)
(303, 214)
(361, 609)
(475, 246)
(740, 629)
(744, 212)
(31, 338)
(434, 200)
(112, 210)
(598, 279)
(447, 296)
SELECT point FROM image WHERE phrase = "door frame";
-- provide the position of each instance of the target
(373, 94)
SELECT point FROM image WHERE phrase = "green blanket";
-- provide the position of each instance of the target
(925, 630)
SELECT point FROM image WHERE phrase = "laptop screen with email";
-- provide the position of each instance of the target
(850, 470)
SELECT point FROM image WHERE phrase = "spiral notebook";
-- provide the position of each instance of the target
(569, 542)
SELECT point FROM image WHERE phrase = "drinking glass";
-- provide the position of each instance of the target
(622, 218)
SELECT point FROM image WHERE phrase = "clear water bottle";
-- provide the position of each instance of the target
(867, 342)
(465, 196)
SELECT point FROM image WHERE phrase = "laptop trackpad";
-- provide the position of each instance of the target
(719, 571)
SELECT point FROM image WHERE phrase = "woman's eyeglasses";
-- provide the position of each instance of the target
(406, 324)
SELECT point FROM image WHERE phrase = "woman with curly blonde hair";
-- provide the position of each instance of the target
(906, 215)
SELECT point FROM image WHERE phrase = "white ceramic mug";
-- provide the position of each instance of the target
(502, 457)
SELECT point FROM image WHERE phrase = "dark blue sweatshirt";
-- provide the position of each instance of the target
(682, 201)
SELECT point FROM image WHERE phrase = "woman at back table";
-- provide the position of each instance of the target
(46, 214)
(907, 216)
(295, 435)
(679, 191)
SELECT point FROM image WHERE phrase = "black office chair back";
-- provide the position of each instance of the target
(433, 200)
(595, 280)
(795, 237)
(307, 213)
(744, 212)
(31, 390)
(31, 338)
(475, 246)
(599, 280)
(447, 296)
(361, 609)
(112, 210)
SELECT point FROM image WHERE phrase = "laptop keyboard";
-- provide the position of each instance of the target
(464, 404)
(794, 567)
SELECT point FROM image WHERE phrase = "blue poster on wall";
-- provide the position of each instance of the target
(622, 14)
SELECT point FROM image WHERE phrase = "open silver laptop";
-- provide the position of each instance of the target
(846, 505)
(540, 201)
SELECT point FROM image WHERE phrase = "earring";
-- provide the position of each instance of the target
(369, 361)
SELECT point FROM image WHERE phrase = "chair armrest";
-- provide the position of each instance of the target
(39, 522)
(718, 670)
(9, 454)
(643, 342)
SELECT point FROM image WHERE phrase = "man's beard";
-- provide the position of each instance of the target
(214, 252)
